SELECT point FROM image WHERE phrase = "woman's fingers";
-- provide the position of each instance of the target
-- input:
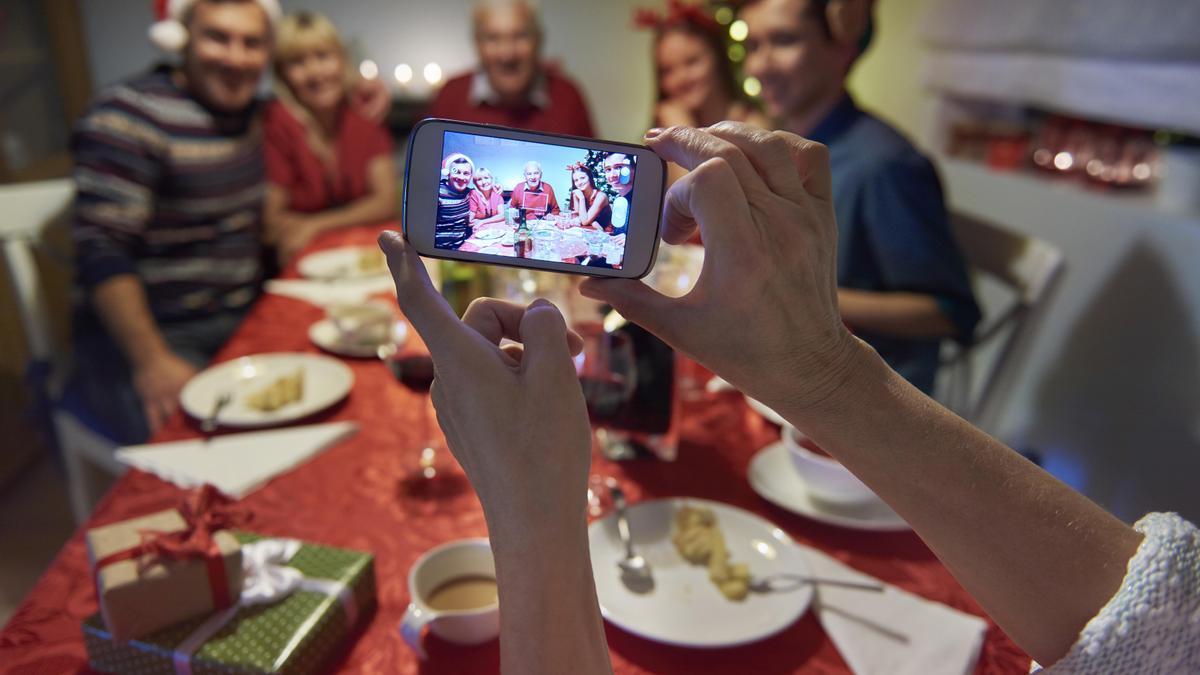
(498, 319)
(423, 306)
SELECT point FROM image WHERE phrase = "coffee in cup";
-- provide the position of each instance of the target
(454, 592)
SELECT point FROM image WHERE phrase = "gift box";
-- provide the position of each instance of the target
(160, 569)
(300, 604)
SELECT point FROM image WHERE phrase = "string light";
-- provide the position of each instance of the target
(368, 69)
(738, 30)
(432, 73)
(752, 86)
(404, 73)
(724, 15)
(737, 52)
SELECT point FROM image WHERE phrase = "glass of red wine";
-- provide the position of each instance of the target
(415, 372)
(607, 372)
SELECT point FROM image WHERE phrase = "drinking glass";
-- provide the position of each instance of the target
(608, 374)
(415, 372)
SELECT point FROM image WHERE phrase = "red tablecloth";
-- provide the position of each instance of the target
(347, 497)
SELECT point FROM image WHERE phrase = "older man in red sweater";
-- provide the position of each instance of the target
(512, 87)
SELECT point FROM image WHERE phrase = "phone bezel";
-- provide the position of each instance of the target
(420, 197)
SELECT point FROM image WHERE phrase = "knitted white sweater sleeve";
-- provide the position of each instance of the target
(1152, 624)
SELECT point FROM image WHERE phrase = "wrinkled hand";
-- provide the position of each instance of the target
(158, 382)
(514, 417)
(763, 314)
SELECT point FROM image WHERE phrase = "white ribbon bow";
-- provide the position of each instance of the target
(266, 578)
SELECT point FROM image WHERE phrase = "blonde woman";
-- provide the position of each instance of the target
(328, 165)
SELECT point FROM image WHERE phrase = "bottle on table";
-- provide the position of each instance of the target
(523, 241)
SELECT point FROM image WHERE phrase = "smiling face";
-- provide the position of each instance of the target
(580, 179)
(533, 175)
(460, 175)
(508, 40)
(316, 77)
(229, 45)
(788, 51)
(483, 180)
(687, 69)
(617, 166)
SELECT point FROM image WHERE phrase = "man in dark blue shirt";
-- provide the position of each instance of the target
(903, 283)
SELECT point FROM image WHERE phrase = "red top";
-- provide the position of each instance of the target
(293, 166)
(532, 200)
(564, 113)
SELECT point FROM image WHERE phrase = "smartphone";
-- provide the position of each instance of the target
(504, 196)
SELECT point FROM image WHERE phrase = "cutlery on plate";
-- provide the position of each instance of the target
(635, 570)
(209, 424)
(778, 583)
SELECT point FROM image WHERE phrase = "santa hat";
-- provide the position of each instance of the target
(168, 32)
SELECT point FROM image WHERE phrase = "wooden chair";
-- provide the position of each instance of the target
(1013, 276)
(27, 211)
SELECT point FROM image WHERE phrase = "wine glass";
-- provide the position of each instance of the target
(608, 374)
(415, 371)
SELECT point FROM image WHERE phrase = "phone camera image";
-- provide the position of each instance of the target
(517, 199)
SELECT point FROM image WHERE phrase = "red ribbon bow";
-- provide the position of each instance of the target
(205, 511)
(678, 13)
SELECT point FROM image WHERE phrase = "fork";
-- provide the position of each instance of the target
(209, 424)
(779, 583)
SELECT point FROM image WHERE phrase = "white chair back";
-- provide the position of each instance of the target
(26, 210)
(1013, 276)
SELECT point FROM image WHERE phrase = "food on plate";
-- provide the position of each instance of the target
(284, 391)
(700, 541)
(371, 260)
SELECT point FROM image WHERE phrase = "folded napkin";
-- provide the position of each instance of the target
(893, 632)
(325, 293)
(236, 464)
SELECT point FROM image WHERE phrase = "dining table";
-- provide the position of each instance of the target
(555, 238)
(357, 495)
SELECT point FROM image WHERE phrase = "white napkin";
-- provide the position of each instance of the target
(325, 293)
(235, 464)
(893, 632)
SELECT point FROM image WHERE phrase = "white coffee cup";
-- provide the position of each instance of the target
(825, 477)
(452, 560)
(362, 323)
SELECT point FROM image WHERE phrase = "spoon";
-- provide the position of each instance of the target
(635, 571)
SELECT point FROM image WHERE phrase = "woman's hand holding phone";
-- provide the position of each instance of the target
(763, 313)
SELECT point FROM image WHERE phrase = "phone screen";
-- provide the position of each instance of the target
(521, 199)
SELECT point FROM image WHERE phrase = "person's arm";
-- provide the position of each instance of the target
(117, 171)
(553, 207)
(1040, 558)
(594, 212)
(895, 313)
(532, 485)
(293, 231)
(926, 291)
(158, 373)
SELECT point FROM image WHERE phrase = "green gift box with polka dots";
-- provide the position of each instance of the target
(298, 634)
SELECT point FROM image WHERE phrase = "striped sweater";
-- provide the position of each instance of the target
(171, 192)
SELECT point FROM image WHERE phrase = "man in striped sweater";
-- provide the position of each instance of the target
(170, 180)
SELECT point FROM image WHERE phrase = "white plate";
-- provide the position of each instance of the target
(685, 608)
(325, 335)
(326, 381)
(490, 233)
(338, 263)
(774, 478)
(768, 414)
